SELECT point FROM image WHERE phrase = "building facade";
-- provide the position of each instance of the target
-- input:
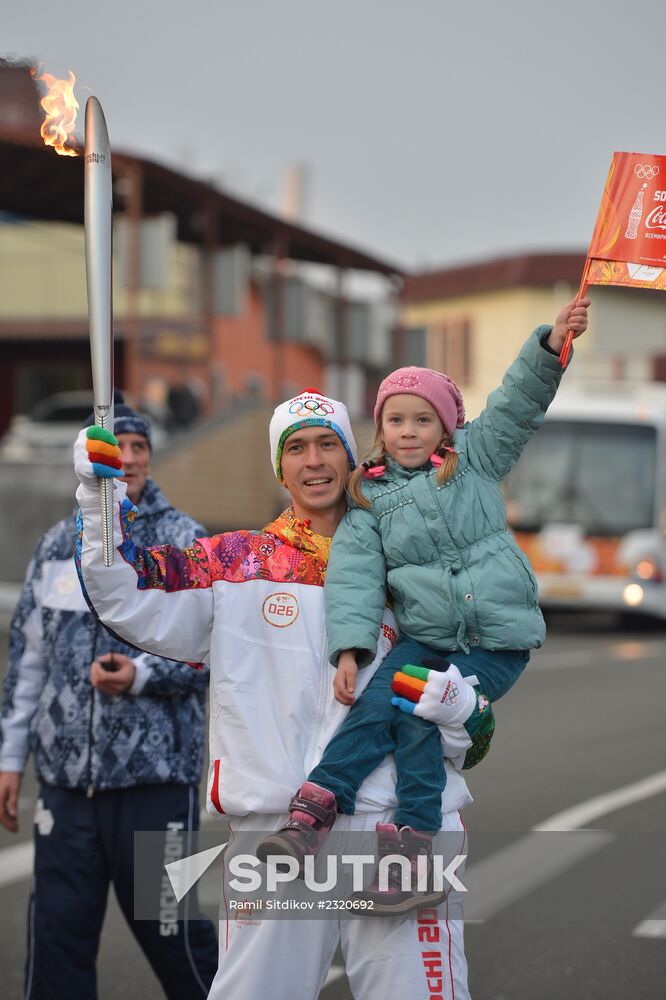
(470, 321)
(214, 298)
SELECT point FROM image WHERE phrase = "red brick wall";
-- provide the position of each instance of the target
(242, 348)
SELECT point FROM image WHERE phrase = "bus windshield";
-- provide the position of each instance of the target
(600, 476)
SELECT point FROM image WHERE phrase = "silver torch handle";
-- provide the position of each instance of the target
(98, 200)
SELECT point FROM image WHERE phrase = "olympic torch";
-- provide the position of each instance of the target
(98, 239)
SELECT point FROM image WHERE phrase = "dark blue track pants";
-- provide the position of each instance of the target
(90, 846)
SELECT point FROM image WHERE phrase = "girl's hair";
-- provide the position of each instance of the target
(377, 456)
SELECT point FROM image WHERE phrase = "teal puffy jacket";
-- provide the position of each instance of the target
(445, 554)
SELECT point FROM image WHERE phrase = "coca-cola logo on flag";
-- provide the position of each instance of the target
(656, 219)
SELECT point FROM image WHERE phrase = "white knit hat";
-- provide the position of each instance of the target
(309, 409)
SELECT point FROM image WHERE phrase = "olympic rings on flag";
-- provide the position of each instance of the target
(646, 170)
(311, 408)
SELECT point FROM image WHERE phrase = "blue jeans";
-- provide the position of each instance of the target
(374, 728)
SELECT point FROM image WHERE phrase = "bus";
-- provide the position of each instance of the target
(587, 500)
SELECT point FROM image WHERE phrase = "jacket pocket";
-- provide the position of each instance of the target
(520, 561)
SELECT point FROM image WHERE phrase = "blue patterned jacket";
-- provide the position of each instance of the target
(80, 737)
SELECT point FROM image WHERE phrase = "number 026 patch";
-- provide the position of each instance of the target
(280, 609)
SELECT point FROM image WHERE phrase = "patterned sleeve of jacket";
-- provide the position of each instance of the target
(26, 670)
(155, 675)
(355, 587)
(158, 599)
(162, 678)
(515, 410)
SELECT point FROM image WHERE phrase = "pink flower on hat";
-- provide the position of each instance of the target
(437, 388)
(404, 381)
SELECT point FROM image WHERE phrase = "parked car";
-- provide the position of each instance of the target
(50, 429)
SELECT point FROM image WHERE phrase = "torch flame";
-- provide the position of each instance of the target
(60, 106)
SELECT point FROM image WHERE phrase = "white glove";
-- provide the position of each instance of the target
(89, 464)
(443, 697)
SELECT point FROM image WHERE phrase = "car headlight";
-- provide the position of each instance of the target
(633, 595)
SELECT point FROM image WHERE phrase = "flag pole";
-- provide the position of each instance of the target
(582, 289)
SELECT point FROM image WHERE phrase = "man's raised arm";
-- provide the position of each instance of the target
(159, 598)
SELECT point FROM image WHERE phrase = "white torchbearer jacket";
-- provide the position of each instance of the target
(251, 605)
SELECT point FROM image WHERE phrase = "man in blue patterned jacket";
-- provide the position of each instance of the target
(117, 738)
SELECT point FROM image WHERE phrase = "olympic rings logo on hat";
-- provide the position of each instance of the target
(646, 170)
(311, 408)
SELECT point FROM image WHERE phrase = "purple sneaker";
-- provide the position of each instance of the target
(312, 813)
(394, 900)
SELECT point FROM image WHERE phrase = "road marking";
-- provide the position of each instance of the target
(532, 861)
(653, 926)
(651, 929)
(334, 973)
(529, 863)
(16, 863)
(589, 811)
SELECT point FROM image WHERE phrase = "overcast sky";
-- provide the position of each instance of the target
(433, 131)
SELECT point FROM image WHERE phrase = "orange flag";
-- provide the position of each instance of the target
(628, 245)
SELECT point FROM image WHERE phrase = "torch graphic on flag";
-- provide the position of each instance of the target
(98, 202)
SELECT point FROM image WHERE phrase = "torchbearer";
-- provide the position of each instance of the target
(223, 600)
(98, 204)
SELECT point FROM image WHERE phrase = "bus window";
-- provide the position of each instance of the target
(599, 476)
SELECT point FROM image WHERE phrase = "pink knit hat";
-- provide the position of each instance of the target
(440, 391)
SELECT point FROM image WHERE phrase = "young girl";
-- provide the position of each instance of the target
(429, 529)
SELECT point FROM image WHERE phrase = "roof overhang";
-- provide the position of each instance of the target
(36, 183)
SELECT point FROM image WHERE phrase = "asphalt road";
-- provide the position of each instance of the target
(553, 915)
